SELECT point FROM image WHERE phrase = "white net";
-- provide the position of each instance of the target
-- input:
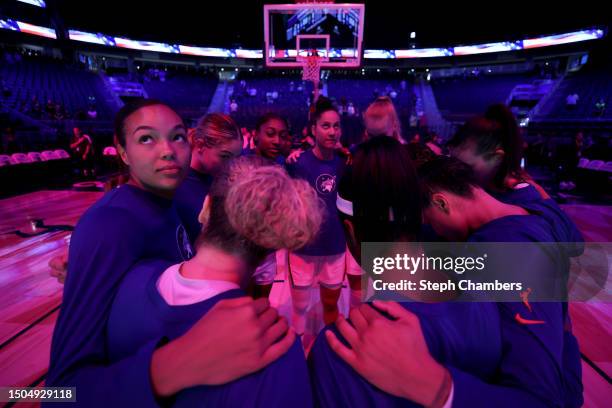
(312, 69)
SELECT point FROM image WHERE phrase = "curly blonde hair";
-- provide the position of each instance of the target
(273, 210)
(256, 207)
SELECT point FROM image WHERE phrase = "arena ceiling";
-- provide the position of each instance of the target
(229, 23)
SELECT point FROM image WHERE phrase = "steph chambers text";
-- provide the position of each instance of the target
(445, 286)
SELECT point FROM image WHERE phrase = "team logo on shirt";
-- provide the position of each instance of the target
(182, 241)
(326, 184)
(525, 298)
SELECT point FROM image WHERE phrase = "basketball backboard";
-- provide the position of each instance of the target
(293, 31)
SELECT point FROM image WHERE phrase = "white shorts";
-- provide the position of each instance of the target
(266, 272)
(327, 270)
(352, 266)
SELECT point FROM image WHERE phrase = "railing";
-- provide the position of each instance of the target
(435, 120)
(536, 109)
(114, 98)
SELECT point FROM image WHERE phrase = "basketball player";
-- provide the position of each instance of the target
(436, 354)
(214, 141)
(134, 222)
(251, 209)
(323, 260)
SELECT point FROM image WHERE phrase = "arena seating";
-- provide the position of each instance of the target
(361, 92)
(189, 94)
(590, 84)
(46, 79)
(292, 100)
(459, 98)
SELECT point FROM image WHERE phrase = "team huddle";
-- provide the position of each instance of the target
(168, 276)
